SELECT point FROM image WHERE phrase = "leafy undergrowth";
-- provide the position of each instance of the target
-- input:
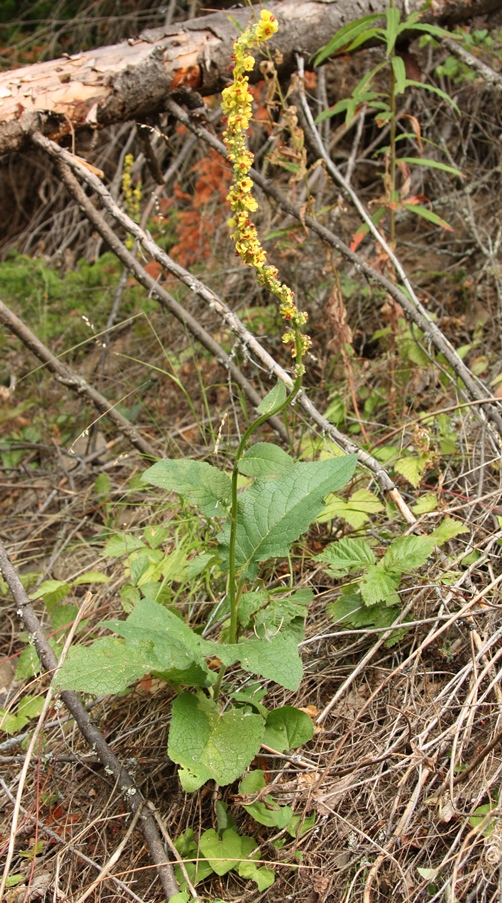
(372, 755)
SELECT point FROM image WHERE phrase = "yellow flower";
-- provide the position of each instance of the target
(236, 104)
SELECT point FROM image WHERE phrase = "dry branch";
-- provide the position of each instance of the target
(132, 80)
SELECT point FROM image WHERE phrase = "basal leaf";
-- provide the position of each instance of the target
(265, 459)
(197, 481)
(174, 650)
(346, 555)
(209, 743)
(288, 728)
(273, 399)
(223, 853)
(274, 513)
(377, 585)
(407, 553)
(103, 668)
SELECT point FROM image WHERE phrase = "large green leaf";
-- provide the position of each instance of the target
(211, 744)
(265, 459)
(175, 650)
(103, 668)
(197, 481)
(274, 513)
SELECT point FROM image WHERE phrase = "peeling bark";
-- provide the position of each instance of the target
(131, 80)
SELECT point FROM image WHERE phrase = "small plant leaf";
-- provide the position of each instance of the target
(273, 399)
(252, 782)
(270, 814)
(407, 553)
(355, 511)
(345, 35)
(447, 530)
(274, 513)
(392, 30)
(346, 555)
(263, 877)
(121, 544)
(377, 585)
(90, 577)
(399, 71)
(429, 215)
(412, 467)
(63, 616)
(199, 482)
(282, 611)
(431, 164)
(265, 459)
(288, 728)
(223, 853)
(211, 744)
(51, 592)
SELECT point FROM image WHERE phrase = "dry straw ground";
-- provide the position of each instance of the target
(404, 770)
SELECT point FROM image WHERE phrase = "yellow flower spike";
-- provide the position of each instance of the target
(236, 104)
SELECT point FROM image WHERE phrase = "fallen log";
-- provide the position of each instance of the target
(131, 80)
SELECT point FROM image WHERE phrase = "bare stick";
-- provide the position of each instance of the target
(131, 793)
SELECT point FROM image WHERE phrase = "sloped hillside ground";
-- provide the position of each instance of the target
(398, 791)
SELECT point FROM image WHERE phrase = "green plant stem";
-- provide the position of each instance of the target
(234, 592)
(393, 198)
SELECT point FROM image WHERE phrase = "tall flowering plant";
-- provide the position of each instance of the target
(236, 105)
